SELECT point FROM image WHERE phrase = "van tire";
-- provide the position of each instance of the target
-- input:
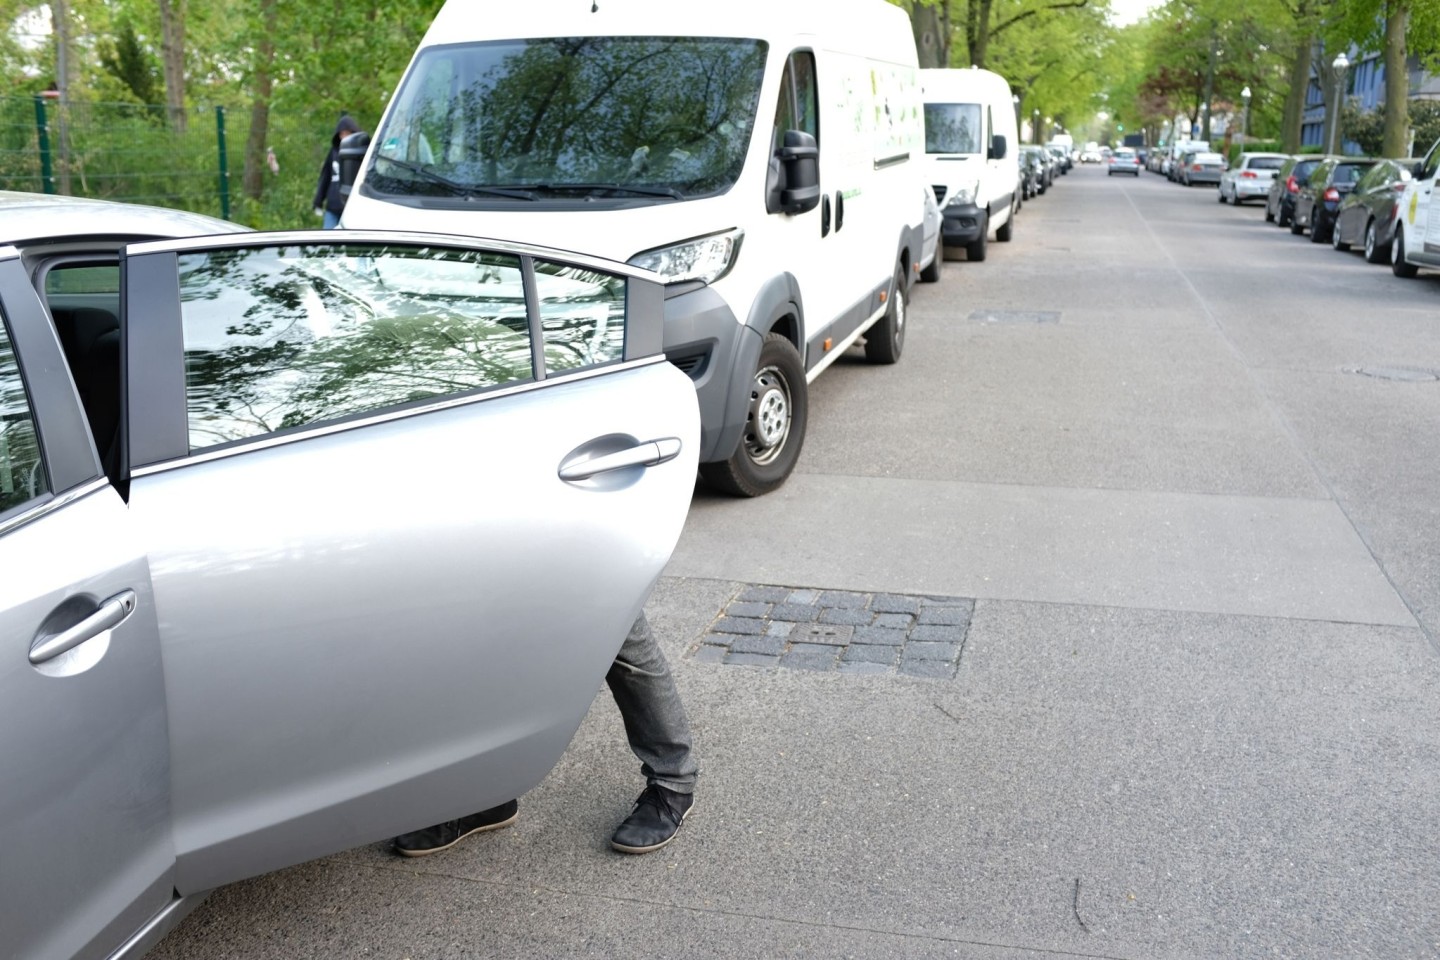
(976, 251)
(932, 273)
(886, 339)
(1005, 233)
(1398, 264)
(776, 390)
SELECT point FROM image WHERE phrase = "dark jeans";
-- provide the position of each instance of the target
(650, 705)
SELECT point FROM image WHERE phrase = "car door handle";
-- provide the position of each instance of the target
(110, 614)
(647, 454)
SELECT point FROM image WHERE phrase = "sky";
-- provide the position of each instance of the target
(1129, 11)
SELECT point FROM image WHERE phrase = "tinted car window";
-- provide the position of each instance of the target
(281, 337)
(1350, 172)
(22, 473)
(1265, 163)
(952, 128)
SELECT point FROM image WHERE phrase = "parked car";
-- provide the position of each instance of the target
(1280, 200)
(1250, 177)
(1032, 174)
(1201, 167)
(1368, 213)
(1046, 163)
(928, 266)
(1090, 153)
(1417, 237)
(1318, 201)
(1176, 156)
(1124, 160)
(1063, 163)
(308, 539)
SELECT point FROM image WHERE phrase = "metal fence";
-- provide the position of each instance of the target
(141, 154)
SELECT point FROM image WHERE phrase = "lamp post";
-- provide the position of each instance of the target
(1016, 100)
(1035, 127)
(1340, 64)
(1245, 126)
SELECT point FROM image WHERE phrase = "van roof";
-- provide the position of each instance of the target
(957, 82)
(873, 28)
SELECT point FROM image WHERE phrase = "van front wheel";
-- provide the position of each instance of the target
(774, 425)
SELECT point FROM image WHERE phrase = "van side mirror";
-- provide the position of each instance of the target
(997, 147)
(793, 182)
(352, 154)
(1418, 170)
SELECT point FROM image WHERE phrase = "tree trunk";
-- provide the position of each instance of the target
(1294, 116)
(60, 23)
(932, 35)
(172, 51)
(980, 47)
(254, 177)
(1395, 141)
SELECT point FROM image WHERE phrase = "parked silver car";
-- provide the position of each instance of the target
(1203, 167)
(307, 540)
(1250, 178)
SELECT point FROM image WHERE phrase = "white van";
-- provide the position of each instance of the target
(972, 156)
(1417, 227)
(762, 158)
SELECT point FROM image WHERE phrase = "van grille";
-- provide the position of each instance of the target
(693, 365)
(939, 192)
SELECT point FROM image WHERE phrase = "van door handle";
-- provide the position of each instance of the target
(109, 615)
(648, 454)
(824, 216)
(839, 210)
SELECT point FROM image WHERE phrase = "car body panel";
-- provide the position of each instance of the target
(1318, 200)
(342, 628)
(1375, 200)
(1280, 200)
(1251, 176)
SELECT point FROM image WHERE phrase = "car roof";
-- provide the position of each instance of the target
(27, 218)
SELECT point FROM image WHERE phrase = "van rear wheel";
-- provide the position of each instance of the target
(774, 425)
(886, 339)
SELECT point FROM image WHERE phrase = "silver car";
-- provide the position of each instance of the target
(1201, 168)
(1250, 178)
(306, 540)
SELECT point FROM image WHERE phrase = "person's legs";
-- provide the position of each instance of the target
(659, 735)
(331, 221)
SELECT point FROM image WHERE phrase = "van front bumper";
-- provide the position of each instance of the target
(962, 224)
(718, 354)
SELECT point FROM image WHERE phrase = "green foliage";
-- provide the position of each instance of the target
(1367, 129)
(129, 62)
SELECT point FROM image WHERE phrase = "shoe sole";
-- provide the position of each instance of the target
(469, 833)
(624, 849)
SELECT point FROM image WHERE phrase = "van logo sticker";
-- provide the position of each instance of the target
(1414, 202)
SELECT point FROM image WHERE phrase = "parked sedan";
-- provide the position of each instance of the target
(1202, 168)
(1124, 161)
(1280, 200)
(308, 539)
(1250, 177)
(1032, 174)
(1368, 213)
(1318, 201)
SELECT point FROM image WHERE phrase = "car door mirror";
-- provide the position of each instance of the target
(793, 181)
(1418, 171)
(351, 153)
(997, 147)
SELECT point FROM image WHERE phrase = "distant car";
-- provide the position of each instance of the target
(1204, 167)
(1280, 199)
(1063, 162)
(1124, 160)
(309, 539)
(1090, 155)
(1318, 201)
(930, 240)
(1045, 162)
(1032, 174)
(1250, 177)
(1369, 212)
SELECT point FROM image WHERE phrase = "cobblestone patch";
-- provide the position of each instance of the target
(839, 631)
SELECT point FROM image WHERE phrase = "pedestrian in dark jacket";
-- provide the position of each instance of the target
(329, 201)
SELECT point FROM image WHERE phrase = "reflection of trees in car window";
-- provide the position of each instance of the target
(629, 110)
(22, 472)
(278, 338)
(582, 315)
(952, 128)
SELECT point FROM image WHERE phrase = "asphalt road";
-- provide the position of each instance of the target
(1139, 464)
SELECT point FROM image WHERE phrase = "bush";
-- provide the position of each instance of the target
(1367, 129)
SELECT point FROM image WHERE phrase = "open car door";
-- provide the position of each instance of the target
(402, 496)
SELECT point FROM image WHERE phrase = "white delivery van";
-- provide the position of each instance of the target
(971, 156)
(762, 158)
(1417, 227)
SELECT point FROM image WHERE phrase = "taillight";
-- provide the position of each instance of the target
(1332, 194)
(1249, 175)
(1197, 167)
(1291, 185)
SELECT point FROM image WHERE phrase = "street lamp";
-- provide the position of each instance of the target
(1341, 64)
(1245, 128)
(1035, 128)
(1016, 100)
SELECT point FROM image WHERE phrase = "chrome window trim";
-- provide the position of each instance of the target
(268, 441)
(333, 237)
(56, 502)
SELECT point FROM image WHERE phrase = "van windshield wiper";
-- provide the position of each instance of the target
(643, 191)
(463, 189)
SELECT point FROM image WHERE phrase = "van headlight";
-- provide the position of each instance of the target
(706, 259)
(963, 194)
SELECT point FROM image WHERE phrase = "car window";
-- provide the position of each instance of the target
(952, 128)
(1350, 172)
(798, 107)
(582, 314)
(1432, 163)
(22, 472)
(282, 337)
(1265, 163)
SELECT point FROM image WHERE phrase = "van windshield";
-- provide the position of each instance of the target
(641, 119)
(952, 128)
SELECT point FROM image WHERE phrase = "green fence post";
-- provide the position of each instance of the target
(47, 174)
(224, 163)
